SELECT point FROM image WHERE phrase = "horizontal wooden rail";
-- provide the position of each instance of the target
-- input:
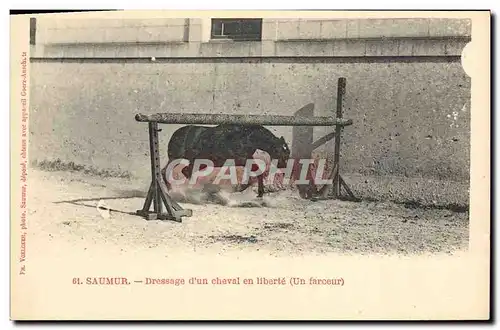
(217, 119)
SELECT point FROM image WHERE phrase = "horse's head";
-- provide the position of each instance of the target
(310, 189)
(282, 152)
(307, 191)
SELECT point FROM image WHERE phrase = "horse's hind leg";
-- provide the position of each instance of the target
(165, 178)
(187, 171)
(243, 187)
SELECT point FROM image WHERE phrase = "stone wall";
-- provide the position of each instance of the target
(406, 90)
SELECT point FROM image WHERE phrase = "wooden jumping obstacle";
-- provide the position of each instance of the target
(158, 190)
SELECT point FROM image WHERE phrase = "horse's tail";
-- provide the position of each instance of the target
(183, 140)
(179, 145)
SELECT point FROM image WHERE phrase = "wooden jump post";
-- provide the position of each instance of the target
(158, 190)
(338, 181)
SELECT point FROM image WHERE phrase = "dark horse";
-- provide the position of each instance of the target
(226, 141)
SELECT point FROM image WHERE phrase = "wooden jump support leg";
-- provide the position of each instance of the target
(338, 181)
(158, 190)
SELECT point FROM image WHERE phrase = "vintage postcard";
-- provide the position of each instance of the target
(250, 165)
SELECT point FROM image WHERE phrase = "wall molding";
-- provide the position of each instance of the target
(376, 47)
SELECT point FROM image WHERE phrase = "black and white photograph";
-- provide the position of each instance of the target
(154, 135)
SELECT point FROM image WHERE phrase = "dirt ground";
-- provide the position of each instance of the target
(62, 210)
